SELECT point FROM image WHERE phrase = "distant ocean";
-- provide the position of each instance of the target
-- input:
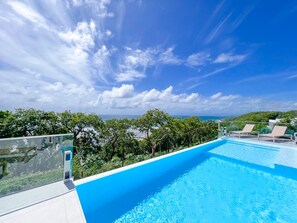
(203, 118)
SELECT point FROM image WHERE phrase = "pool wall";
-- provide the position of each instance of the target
(100, 190)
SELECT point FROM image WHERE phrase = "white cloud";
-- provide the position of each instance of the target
(28, 13)
(191, 98)
(129, 75)
(167, 57)
(57, 86)
(193, 103)
(29, 91)
(136, 61)
(228, 97)
(198, 59)
(103, 8)
(221, 97)
(292, 76)
(83, 35)
(99, 5)
(101, 55)
(108, 33)
(52, 45)
(101, 62)
(242, 16)
(217, 29)
(37, 93)
(152, 95)
(55, 56)
(4, 19)
(217, 95)
(168, 96)
(230, 58)
(138, 58)
(141, 101)
(125, 91)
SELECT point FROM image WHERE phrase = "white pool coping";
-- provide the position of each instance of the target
(111, 172)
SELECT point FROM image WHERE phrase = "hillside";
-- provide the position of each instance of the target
(264, 116)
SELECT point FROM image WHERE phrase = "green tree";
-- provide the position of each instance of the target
(153, 124)
(190, 129)
(85, 127)
(5, 131)
(79, 123)
(118, 138)
(101, 146)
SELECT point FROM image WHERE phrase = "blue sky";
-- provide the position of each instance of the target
(125, 57)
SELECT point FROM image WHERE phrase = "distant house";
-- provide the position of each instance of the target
(273, 122)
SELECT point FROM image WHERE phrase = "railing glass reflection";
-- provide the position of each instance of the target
(30, 162)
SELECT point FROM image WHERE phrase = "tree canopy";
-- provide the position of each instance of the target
(264, 116)
(103, 145)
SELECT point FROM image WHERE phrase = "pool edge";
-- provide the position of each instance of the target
(134, 165)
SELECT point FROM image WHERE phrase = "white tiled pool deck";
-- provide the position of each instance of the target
(64, 208)
(57, 202)
(256, 139)
(67, 208)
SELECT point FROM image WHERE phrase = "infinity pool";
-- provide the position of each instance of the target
(222, 181)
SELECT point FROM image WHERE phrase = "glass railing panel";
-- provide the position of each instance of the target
(30, 162)
(226, 127)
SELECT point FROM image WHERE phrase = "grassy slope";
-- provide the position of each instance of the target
(264, 116)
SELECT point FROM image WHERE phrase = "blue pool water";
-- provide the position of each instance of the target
(225, 181)
(246, 152)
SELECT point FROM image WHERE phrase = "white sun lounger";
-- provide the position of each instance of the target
(277, 131)
(248, 128)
